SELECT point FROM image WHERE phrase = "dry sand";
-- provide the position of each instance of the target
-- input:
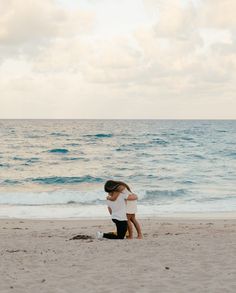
(176, 255)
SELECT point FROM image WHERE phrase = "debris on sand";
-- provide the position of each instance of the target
(167, 268)
(81, 237)
(17, 250)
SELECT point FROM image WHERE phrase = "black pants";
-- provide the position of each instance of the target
(121, 227)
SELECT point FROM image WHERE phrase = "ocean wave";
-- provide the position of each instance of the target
(212, 199)
(99, 135)
(221, 130)
(59, 151)
(200, 157)
(89, 202)
(144, 155)
(187, 138)
(163, 194)
(62, 197)
(231, 155)
(4, 165)
(73, 159)
(10, 182)
(18, 159)
(32, 160)
(79, 197)
(123, 149)
(73, 144)
(27, 160)
(66, 180)
(159, 141)
(59, 134)
(33, 136)
(150, 134)
(187, 182)
(135, 145)
(149, 177)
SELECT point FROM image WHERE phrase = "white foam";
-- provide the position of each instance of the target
(51, 198)
(53, 212)
(91, 211)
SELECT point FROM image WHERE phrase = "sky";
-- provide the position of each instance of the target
(118, 59)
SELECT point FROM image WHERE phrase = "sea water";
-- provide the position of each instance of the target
(57, 168)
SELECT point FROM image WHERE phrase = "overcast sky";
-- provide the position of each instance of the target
(118, 59)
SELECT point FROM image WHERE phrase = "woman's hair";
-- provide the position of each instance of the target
(112, 185)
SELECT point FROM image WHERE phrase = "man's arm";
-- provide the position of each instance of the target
(109, 209)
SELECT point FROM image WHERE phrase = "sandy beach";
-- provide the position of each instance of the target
(176, 255)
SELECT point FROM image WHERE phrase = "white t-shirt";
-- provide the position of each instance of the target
(118, 206)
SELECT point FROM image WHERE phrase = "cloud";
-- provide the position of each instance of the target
(175, 19)
(35, 21)
(219, 14)
(181, 64)
(26, 27)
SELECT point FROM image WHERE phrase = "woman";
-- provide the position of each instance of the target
(117, 208)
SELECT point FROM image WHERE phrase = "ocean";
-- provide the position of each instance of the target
(57, 168)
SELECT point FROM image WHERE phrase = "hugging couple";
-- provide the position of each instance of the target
(122, 206)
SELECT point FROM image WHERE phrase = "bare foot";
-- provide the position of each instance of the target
(140, 237)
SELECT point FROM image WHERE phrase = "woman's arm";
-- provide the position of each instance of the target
(115, 195)
(110, 210)
(132, 196)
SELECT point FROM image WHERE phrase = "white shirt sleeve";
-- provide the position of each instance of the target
(108, 203)
(126, 193)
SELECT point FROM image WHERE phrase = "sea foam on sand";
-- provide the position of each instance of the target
(176, 255)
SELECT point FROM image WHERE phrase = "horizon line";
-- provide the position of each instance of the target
(164, 119)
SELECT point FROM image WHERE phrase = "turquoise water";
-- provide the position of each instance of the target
(57, 168)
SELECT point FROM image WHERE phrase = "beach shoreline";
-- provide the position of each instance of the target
(161, 216)
(176, 255)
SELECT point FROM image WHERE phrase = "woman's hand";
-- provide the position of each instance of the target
(132, 196)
